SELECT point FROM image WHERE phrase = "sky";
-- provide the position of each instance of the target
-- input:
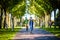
(52, 16)
(28, 16)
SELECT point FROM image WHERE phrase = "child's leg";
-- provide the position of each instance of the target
(26, 28)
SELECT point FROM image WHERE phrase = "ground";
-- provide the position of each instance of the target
(37, 34)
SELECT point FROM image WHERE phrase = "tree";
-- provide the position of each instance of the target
(18, 11)
(1, 18)
(44, 6)
(57, 20)
(7, 5)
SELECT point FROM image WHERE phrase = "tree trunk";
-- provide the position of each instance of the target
(55, 18)
(39, 21)
(47, 18)
(46, 24)
(1, 18)
(59, 19)
(43, 20)
(12, 23)
(50, 20)
(20, 21)
(5, 18)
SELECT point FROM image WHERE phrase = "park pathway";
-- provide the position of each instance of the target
(37, 34)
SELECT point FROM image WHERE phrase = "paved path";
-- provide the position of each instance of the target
(37, 34)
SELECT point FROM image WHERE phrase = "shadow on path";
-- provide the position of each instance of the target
(37, 34)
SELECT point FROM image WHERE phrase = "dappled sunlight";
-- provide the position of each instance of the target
(58, 35)
(30, 19)
(32, 36)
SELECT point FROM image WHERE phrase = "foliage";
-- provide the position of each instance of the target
(12, 5)
(39, 7)
(18, 10)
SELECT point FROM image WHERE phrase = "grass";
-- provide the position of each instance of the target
(56, 31)
(7, 34)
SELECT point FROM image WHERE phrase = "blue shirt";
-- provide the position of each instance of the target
(31, 23)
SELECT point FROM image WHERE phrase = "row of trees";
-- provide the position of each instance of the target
(42, 9)
(55, 5)
(14, 7)
(17, 8)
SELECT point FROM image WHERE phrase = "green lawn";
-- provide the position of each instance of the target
(8, 34)
(56, 31)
